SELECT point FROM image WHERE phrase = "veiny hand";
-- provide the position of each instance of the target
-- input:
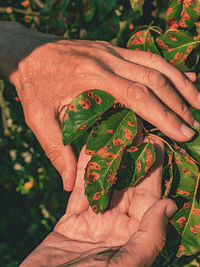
(49, 72)
(130, 233)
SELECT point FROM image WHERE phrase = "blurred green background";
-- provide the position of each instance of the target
(31, 194)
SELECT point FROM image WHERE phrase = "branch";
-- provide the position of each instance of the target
(5, 113)
(10, 10)
(39, 3)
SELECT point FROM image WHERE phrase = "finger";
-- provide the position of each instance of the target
(143, 102)
(48, 132)
(182, 84)
(145, 245)
(154, 80)
(78, 201)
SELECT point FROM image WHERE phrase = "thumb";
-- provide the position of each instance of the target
(48, 132)
(150, 237)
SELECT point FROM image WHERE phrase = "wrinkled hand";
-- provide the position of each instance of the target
(49, 72)
(130, 233)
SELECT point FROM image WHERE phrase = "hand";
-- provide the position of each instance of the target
(49, 72)
(130, 233)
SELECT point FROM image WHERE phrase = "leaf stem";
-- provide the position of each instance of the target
(163, 140)
(10, 10)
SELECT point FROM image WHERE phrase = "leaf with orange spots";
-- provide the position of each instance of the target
(143, 38)
(182, 14)
(176, 46)
(82, 112)
(193, 146)
(107, 132)
(135, 165)
(108, 149)
(187, 224)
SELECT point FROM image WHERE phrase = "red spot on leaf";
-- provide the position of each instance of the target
(178, 161)
(82, 127)
(85, 104)
(110, 131)
(117, 142)
(94, 208)
(139, 166)
(181, 248)
(108, 155)
(94, 165)
(169, 10)
(132, 149)
(90, 94)
(186, 205)
(66, 116)
(186, 171)
(90, 152)
(97, 196)
(92, 176)
(72, 107)
(181, 192)
(193, 230)
(131, 123)
(97, 99)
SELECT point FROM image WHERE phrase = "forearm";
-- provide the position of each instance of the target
(58, 251)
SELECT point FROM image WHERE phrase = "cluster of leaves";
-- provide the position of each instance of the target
(28, 180)
(116, 162)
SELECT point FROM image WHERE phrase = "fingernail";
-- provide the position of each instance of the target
(65, 177)
(196, 124)
(170, 210)
(187, 131)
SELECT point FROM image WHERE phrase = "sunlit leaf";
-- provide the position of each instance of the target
(186, 175)
(176, 46)
(102, 168)
(82, 113)
(135, 163)
(187, 224)
(109, 130)
(182, 13)
(193, 146)
(144, 39)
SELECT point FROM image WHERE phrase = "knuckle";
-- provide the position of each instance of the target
(137, 91)
(155, 77)
(155, 59)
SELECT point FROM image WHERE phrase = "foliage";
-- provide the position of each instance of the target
(30, 187)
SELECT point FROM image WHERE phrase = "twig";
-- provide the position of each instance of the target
(10, 10)
(4, 110)
(39, 3)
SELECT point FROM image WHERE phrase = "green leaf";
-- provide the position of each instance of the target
(176, 46)
(186, 175)
(107, 30)
(144, 39)
(109, 130)
(88, 10)
(137, 5)
(135, 163)
(182, 13)
(186, 222)
(102, 168)
(104, 7)
(193, 146)
(82, 113)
